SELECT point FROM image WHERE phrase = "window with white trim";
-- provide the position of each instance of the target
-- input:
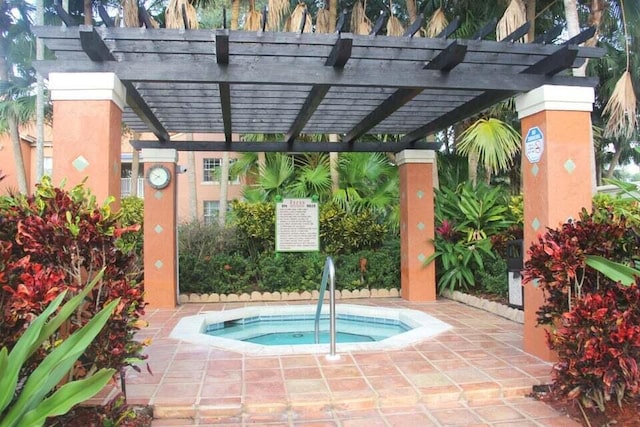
(210, 211)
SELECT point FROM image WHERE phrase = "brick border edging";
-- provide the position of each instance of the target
(491, 306)
(287, 296)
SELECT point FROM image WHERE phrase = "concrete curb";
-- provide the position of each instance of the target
(486, 305)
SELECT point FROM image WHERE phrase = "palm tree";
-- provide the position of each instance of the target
(16, 77)
(493, 142)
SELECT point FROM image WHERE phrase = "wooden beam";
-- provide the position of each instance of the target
(582, 37)
(549, 36)
(105, 16)
(414, 27)
(222, 47)
(272, 74)
(376, 30)
(342, 21)
(384, 110)
(97, 51)
(561, 60)
(341, 51)
(337, 59)
(483, 32)
(225, 103)
(476, 105)
(283, 146)
(93, 45)
(518, 33)
(449, 29)
(64, 16)
(448, 58)
(314, 99)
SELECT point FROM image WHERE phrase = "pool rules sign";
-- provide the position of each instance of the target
(297, 226)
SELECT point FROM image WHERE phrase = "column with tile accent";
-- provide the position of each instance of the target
(87, 129)
(160, 231)
(557, 176)
(418, 282)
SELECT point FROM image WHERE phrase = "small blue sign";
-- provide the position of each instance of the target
(534, 144)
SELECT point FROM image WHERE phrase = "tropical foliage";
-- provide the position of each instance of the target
(57, 240)
(30, 398)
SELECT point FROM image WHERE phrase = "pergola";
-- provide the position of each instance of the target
(231, 83)
(235, 83)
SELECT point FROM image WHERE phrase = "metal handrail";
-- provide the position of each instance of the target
(328, 275)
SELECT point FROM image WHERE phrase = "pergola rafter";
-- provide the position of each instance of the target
(233, 83)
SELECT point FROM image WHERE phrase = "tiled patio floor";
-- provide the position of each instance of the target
(474, 374)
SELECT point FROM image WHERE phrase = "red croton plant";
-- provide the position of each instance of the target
(594, 321)
(58, 240)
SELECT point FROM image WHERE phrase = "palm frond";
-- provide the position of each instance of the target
(437, 23)
(622, 109)
(514, 17)
(278, 9)
(494, 141)
(294, 21)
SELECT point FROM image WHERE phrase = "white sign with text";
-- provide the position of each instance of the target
(297, 226)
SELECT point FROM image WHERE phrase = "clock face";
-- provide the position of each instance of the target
(159, 177)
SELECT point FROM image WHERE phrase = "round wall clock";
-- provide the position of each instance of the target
(158, 177)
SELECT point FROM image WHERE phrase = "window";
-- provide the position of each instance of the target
(210, 208)
(48, 166)
(211, 170)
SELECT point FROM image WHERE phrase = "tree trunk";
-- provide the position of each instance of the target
(614, 162)
(235, 14)
(412, 11)
(17, 153)
(333, 15)
(193, 189)
(39, 97)
(135, 171)
(333, 165)
(472, 160)
(530, 5)
(224, 188)
(88, 12)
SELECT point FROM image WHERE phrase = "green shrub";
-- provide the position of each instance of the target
(343, 232)
(131, 216)
(287, 272)
(255, 224)
(493, 279)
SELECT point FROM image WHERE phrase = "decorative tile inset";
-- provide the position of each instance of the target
(535, 169)
(421, 226)
(569, 166)
(80, 163)
(535, 224)
(158, 264)
(420, 194)
(421, 257)
(158, 195)
(158, 229)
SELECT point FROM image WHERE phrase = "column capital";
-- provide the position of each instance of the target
(415, 156)
(558, 98)
(159, 155)
(87, 87)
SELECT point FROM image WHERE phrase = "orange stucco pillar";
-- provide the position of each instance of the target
(557, 176)
(160, 231)
(418, 282)
(87, 128)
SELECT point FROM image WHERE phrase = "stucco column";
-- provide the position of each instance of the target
(556, 174)
(418, 283)
(160, 232)
(87, 129)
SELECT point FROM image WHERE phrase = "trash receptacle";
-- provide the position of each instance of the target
(514, 273)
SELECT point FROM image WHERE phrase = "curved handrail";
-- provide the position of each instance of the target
(328, 275)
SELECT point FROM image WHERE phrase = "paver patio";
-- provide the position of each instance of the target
(473, 374)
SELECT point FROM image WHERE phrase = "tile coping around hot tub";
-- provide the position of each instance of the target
(192, 329)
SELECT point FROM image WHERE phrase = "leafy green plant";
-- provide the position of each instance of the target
(479, 212)
(56, 240)
(131, 218)
(345, 232)
(493, 279)
(27, 400)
